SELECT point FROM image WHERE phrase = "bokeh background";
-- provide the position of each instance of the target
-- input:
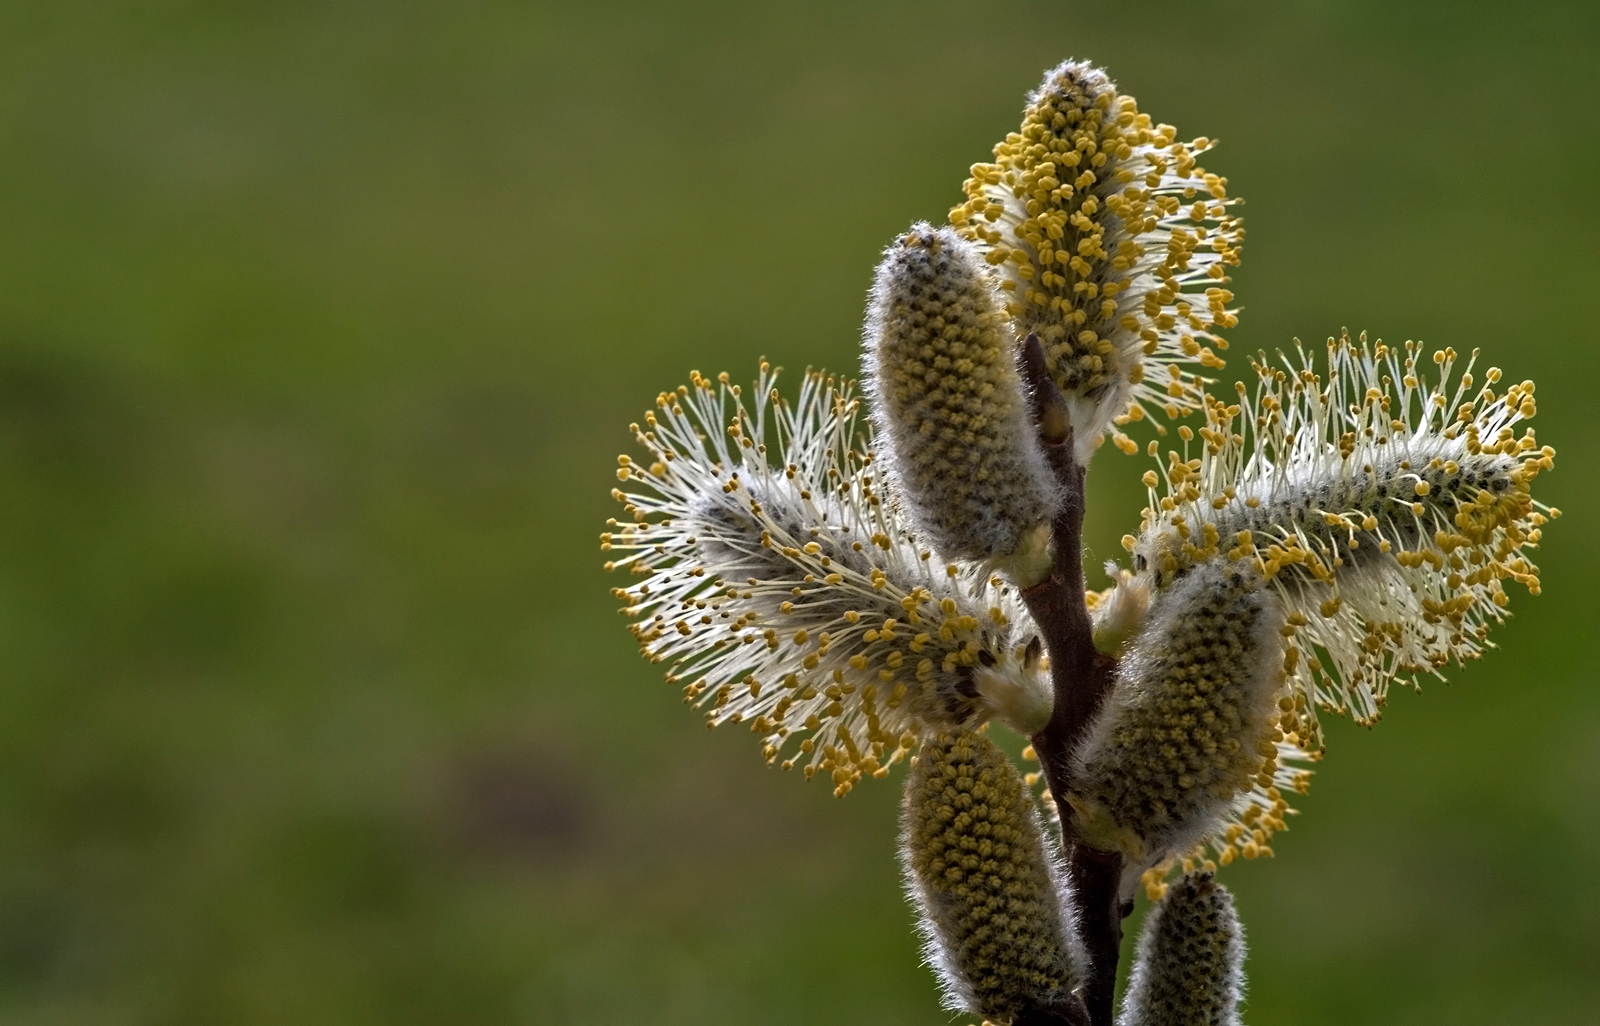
(320, 327)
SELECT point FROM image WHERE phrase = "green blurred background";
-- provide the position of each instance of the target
(320, 326)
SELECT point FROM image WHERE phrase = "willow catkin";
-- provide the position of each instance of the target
(1189, 970)
(954, 428)
(1112, 245)
(984, 882)
(1386, 502)
(775, 577)
(1191, 720)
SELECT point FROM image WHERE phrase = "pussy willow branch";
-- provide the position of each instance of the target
(1080, 676)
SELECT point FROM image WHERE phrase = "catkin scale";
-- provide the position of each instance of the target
(1190, 720)
(1189, 970)
(952, 418)
(984, 883)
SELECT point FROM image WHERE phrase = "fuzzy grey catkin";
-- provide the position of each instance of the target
(984, 882)
(1191, 721)
(953, 420)
(1189, 970)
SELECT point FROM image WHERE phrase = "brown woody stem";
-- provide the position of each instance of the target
(1080, 676)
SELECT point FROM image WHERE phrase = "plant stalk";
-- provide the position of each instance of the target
(1080, 676)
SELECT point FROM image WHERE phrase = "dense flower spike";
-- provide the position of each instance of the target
(953, 425)
(1112, 244)
(1189, 970)
(1188, 742)
(984, 882)
(776, 578)
(1385, 509)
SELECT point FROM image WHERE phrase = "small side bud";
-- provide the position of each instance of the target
(1051, 413)
(985, 886)
(1119, 611)
(1189, 970)
(953, 422)
(1183, 733)
(1018, 695)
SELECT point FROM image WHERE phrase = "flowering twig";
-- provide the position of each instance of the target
(1336, 529)
(1081, 676)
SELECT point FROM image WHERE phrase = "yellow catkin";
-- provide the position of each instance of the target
(773, 575)
(1185, 731)
(983, 881)
(1388, 502)
(953, 423)
(1189, 970)
(1111, 244)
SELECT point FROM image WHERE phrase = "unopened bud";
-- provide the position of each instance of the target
(1189, 970)
(1119, 611)
(953, 423)
(985, 884)
(1176, 742)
